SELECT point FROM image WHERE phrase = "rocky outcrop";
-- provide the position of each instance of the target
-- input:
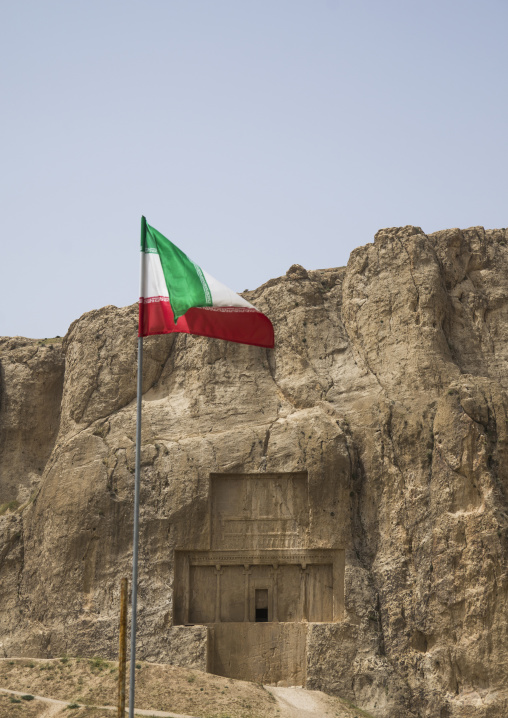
(387, 384)
(31, 380)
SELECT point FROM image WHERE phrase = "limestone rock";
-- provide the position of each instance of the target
(31, 380)
(387, 385)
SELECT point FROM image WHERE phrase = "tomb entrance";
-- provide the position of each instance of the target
(259, 584)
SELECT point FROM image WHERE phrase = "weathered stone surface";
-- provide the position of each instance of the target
(186, 646)
(387, 385)
(31, 380)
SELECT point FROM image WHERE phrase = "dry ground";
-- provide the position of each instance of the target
(41, 709)
(184, 691)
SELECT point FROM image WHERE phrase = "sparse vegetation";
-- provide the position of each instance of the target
(9, 506)
(83, 684)
(98, 664)
(50, 340)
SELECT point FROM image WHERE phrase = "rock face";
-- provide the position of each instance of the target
(387, 386)
(31, 381)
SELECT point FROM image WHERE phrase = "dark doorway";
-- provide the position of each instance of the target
(261, 605)
(261, 615)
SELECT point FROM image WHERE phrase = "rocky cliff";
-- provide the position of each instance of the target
(387, 385)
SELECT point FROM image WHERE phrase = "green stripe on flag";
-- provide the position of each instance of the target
(187, 286)
(149, 245)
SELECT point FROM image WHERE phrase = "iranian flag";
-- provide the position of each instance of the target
(178, 296)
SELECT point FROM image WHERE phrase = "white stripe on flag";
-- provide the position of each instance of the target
(152, 282)
(222, 296)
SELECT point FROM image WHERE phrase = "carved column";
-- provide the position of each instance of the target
(186, 590)
(274, 573)
(218, 573)
(246, 583)
(303, 592)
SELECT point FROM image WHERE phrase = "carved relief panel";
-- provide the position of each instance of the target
(258, 568)
(259, 511)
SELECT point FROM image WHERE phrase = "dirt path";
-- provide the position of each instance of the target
(50, 710)
(55, 706)
(300, 703)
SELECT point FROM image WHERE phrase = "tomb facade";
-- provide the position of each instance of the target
(259, 584)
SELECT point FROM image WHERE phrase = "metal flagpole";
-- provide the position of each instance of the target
(135, 541)
(122, 652)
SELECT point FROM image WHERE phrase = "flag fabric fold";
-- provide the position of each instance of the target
(178, 296)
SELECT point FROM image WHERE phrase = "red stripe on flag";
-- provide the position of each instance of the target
(234, 324)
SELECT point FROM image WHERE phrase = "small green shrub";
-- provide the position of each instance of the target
(13, 699)
(28, 697)
(9, 506)
(98, 664)
(72, 706)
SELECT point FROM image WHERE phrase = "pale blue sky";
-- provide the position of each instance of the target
(255, 134)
